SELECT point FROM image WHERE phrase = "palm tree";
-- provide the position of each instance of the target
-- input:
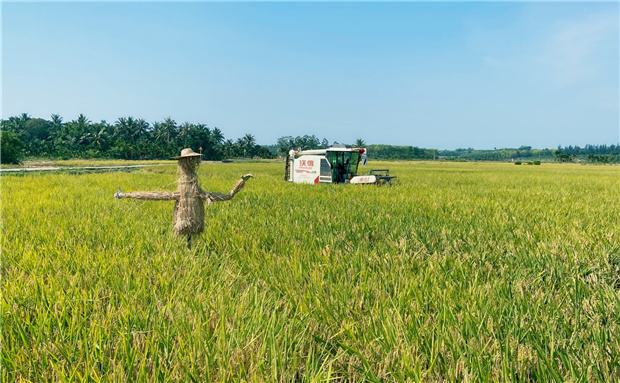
(24, 117)
(248, 141)
(79, 130)
(247, 144)
(201, 138)
(229, 148)
(359, 143)
(12, 124)
(96, 138)
(185, 131)
(171, 128)
(160, 134)
(140, 129)
(122, 128)
(56, 120)
(218, 136)
(100, 138)
(203, 129)
(58, 130)
(82, 121)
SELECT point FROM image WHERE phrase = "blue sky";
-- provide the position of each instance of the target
(434, 75)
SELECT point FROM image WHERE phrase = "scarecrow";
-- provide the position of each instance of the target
(190, 198)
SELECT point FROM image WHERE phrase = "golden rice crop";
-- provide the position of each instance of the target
(460, 271)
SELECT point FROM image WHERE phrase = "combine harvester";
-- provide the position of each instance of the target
(334, 165)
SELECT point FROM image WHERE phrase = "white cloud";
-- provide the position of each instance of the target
(576, 50)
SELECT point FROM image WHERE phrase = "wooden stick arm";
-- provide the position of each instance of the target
(218, 197)
(148, 195)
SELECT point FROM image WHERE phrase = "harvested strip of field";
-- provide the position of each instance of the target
(72, 169)
(465, 271)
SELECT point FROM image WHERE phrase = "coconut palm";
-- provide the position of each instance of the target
(201, 137)
(160, 134)
(171, 129)
(98, 137)
(229, 148)
(77, 132)
(56, 120)
(24, 117)
(185, 132)
(122, 128)
(218, 136)
(82, 121)
(11, 125)
(140, 129)
(248, 141)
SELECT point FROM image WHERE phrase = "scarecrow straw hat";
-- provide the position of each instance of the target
(186, 153)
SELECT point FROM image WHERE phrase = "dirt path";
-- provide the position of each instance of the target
(63, 168)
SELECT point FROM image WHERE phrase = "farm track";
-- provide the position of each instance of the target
(74, 168)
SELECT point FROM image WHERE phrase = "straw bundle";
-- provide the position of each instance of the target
(189, 211)
(152, 195)
(217, 197)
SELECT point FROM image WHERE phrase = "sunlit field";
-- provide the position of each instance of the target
(458, 272)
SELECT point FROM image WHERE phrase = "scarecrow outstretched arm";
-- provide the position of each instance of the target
(148, 195)
(217, 197)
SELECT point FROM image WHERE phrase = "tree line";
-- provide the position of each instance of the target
(602, 154)
(590, 149)
(127, 138)
(306, 142)
(589, 153)
(134, 138)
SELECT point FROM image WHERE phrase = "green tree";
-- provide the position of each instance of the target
(36, 129)
(11, 125)
(160, 132)
(11, 148)
(56, 120)
(285, 144)
(218, 136)
(306, 142)
(230, 149)
(140, 130)
(248, 140)
(561, 156)
(123, 128)
(246, 145)
(185, 133)
(98, 137)
(170, 127)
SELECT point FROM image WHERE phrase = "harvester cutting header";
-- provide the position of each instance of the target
(337, 164)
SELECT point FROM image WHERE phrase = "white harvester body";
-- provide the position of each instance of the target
(337, 164)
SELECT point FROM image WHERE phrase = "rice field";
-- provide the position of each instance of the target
(464, 272)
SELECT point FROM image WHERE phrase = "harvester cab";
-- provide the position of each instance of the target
(337, 164)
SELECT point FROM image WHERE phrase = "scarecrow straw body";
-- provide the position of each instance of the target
(189, 211)
(190, 198)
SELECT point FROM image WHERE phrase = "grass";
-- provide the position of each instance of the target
(460, 272)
